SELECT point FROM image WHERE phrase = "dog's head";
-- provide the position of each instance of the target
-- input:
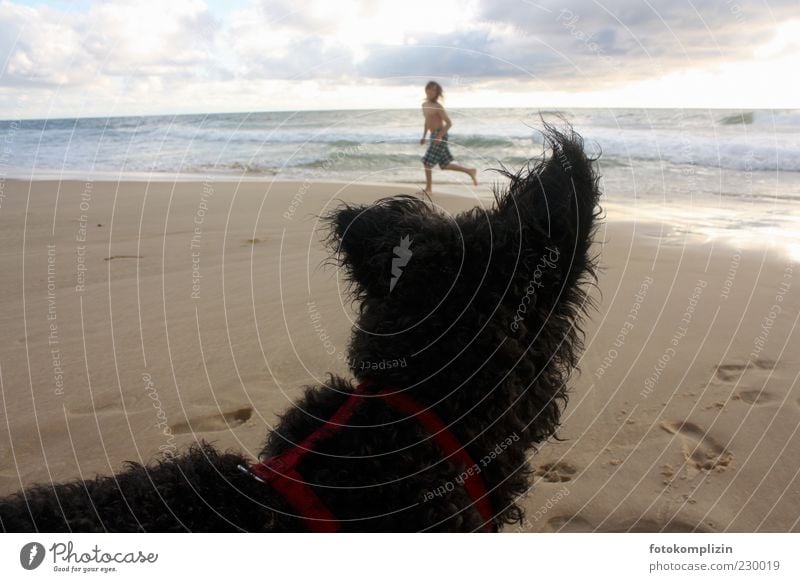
(477, 290)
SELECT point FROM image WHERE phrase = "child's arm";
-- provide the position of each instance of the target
(424, 131)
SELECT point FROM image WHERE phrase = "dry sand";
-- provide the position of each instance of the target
(196, 310)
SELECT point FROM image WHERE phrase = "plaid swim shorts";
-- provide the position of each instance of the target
(438, 153)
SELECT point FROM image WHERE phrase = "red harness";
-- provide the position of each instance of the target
(281, 471)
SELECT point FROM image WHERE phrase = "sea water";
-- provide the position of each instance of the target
(709, 170)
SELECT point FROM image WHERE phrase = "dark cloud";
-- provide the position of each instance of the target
(475, 55)
(672, 29)
(472, 54)
(578, 42)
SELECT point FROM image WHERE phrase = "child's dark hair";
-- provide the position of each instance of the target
(438, 87)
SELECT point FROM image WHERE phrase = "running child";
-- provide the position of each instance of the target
(438, 123)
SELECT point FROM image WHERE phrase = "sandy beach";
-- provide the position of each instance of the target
(140, 317)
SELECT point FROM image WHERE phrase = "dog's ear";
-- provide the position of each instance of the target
(557, 197)
(536, 241)
(553, 206)
(387, 245)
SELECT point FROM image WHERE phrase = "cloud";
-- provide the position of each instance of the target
(655, 29)
(474, 54)
(151, 37)
(276, 39)
(42, 46)
(270, 40)
(38, 47)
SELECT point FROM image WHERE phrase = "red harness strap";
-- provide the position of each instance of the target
(281, 471)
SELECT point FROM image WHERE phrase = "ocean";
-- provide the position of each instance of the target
(733, 173)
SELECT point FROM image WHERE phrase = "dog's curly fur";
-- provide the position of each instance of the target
(486, 315)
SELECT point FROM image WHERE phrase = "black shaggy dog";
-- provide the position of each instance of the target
(467, 333)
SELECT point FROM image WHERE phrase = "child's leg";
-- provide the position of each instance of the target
(473, 173)
(428, 179)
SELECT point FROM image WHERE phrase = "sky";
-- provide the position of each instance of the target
(121, 57)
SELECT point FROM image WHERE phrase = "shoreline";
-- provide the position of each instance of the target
(673, 225)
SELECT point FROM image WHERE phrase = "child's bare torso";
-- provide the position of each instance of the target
(434, 115)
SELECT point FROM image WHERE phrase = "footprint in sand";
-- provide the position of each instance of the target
(647, 525)
(214, 422)
(753, 373)
(115, 257)
(569, 523)
(556, 472)
(732, 372)
(99, 408)
(574, 523)
(757, 397)
(252, 241)
(699, 448)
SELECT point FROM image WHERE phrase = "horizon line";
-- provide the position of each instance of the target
(554, 109)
